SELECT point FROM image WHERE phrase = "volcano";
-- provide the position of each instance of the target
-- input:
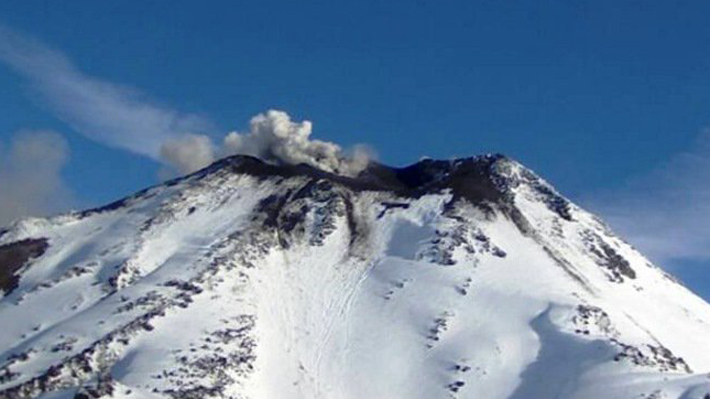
(469, 278)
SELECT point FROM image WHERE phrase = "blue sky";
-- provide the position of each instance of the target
(606, 99)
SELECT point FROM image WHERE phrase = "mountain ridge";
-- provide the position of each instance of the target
(454, 279)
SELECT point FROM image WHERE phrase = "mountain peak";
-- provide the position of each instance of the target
(443, 279)
(472, 177)
(482, 179)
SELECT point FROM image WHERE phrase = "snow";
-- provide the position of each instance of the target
(193, 289)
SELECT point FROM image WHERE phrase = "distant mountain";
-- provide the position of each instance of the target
(471, 278)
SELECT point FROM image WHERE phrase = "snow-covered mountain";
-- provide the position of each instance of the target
(460, 279)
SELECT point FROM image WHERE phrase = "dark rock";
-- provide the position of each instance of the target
(14, 256)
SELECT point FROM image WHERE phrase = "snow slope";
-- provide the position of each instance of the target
(446, 279)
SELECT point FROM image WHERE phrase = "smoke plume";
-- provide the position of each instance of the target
(30, 178)
(188, 153)
(115, 115)
(123, 117)
(275, 138)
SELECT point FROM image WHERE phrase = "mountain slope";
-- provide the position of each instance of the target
(446, 279)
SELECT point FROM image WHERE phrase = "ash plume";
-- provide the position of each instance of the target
(275, 138)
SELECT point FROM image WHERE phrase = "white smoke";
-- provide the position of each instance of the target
(123, 117)
(187, 153)
(275, 138)
(30, 175)
(115, 115)
(272, 137)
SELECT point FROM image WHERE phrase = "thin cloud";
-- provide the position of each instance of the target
(123, 117)
(667, 212)
(30, 175)
(187, 154)
(112, 114)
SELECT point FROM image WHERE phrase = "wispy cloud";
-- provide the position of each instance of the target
(30, 175)
(186, 154)
(112, 114)
(123, 117)
(667, 212)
